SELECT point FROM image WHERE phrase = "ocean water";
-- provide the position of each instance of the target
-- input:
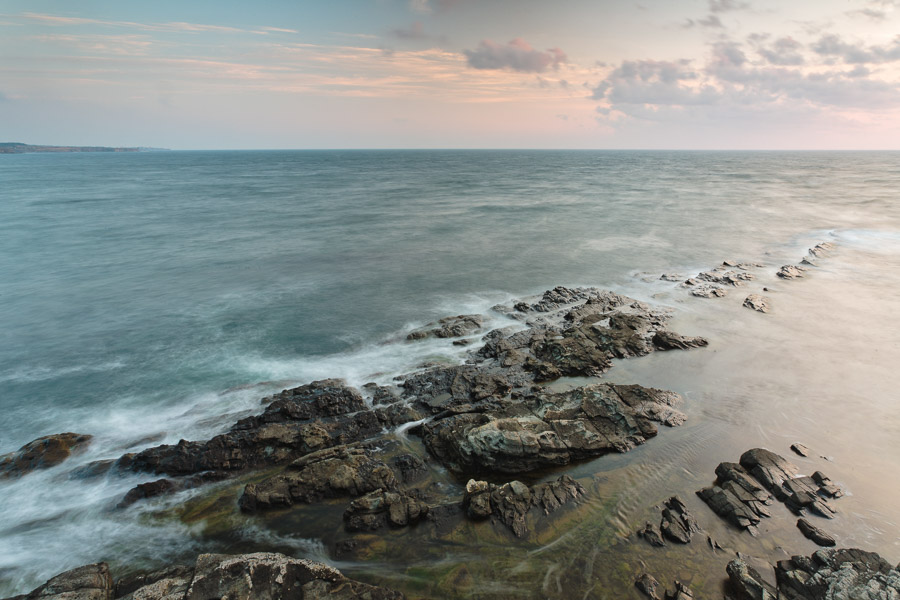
(150, 297)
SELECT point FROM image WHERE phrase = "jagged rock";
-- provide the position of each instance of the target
(727, 504)
(808, 261)
(814, 533)
(845, 574)
(677, 523)
(671, 277)
(758, 303)
(550, 428)
(449, 327)
(332, 473)
(275, 577)
(723, 276)
(779, 477)
(42, 453)
(681, 592)
(652, 534)
(511, 502)
(90, 582)
(170, 583)
(800, 449)
(747, 583)
(297, 421)
(709, 291)
(648, 586)
(147, 490)
(381, 508)
(667, 340)
(821, 249)
(791, 271)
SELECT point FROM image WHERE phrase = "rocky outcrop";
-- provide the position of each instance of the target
(511, 502)
(676, 525)
(545, 429)
(821, 249)
(42, 453)
(846, 574)
(814, 533)
(90, 582)
(649, 586)
(791, 272)
(332, 473)
(263, 575)
(708, 290)
(742, 491)
(381, 508)
(449, 327)
(758, 303)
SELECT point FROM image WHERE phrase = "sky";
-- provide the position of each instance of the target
(226, 74)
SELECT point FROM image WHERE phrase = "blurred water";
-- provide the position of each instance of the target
(142, 296)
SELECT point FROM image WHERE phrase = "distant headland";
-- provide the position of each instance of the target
(19, 148)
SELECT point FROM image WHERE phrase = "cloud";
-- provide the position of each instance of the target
(517, 55)
(784, 51)
(711, 20)
(832, 45)
(416, 31)
(651, 82)
(720, 6)
(429, 6)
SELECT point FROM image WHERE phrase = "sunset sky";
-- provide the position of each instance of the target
(452, 73)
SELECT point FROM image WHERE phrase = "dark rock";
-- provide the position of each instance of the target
(846, 574)
(791, 272)
(381, 508)
(648, 586)
(800, 449)
(147, 490)
(681, 592)
(769, 469)
(747, 583)
(667, 340)
(550, 428)
(297, 421)
(511, 502)
(814, 533)
(449, 327)
(170, 583)
(275, 576)
(652, 534)
(677, 523)
(42, 453)
(332, 473)
(758, 303)
(90, 582)
(728, 505)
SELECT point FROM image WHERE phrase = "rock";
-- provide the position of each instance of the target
(791, 272)
(275, 576)
(822, 249)
(42, 453)
(297, 421)
(671, 277)
(747, 583)
(511, 502)
(648, 586)
(728, 505)
(333, 473)
(677, 523)
(681, 592)
(814, 533)
(800, 449)
(708, 291)
(547, 429)
(667, 340)
(147, 490)
(758, 303)
(170, 583)
(846, 574)
(90, 582)
(722, 276)
(652, 535)
(449, 327)
(381, 508)
(768, 468)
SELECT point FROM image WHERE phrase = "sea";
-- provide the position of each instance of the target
(157, 296)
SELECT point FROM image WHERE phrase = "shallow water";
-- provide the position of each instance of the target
(143, 297)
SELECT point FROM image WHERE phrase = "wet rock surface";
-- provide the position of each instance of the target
(379, 509)
(814, 533)
(743, 491)
(449, 327)
(676, 525)
(42, 453)
(511, 502)
(845, 574)
(262, 575)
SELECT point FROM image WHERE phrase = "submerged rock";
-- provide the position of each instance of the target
(381, 508)
(511, 502)
(814, 533)
(648, 585)
(676, 525)
(708, 291)
(42, 453)
(758, 303)
(90, 582)
(449, 327)
(546, 429)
